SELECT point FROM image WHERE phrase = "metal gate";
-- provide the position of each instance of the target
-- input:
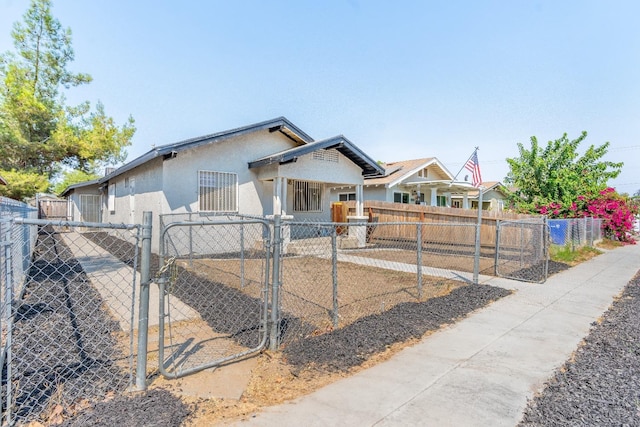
(522, 250)
(213, 279)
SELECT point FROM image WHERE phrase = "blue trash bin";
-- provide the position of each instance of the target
(558, 229)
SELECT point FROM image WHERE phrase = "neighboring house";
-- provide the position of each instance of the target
(266, 168)
(420, 181)
(2, 181)
(494, 196)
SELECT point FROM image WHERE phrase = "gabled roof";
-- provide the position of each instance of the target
(2, 181)
(396, 172)
(280, 124)
(488, 186)
(340, 143)
(79, 185)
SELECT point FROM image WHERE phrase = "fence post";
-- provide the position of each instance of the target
(334, 267)
(476, 258)
(275, 290)
(546, 238)
(143, 312)
(496, 255)
(242, 278)
(419, 260)
(7, 312)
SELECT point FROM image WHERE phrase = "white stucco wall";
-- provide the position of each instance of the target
(180, 174)
(376, 193)
(74, 197)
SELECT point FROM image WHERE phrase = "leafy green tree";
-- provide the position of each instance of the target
(39, 133)
(557, 173)
(22, 185)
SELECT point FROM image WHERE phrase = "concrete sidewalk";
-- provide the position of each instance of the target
(480, 371)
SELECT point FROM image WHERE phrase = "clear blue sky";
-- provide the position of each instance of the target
(401, 79)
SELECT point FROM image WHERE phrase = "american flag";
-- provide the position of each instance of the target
(473, 166)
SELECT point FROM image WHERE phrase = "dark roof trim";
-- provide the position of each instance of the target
(343, 145)
(280, 124)
(2, 181)
(79, 185)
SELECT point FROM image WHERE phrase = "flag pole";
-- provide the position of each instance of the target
(465, 162)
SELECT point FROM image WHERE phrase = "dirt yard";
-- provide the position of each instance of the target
(386, 317)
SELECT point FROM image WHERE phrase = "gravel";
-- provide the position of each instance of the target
(600, 385)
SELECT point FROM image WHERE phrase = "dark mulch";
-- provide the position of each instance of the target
(601, 386)
(535, 273)
(155, 408)
(62, 344)
(345, 348)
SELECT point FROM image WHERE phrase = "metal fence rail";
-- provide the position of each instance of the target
(68, 328)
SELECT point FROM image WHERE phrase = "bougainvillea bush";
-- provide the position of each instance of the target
(616, 211)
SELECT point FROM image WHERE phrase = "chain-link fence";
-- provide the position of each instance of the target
(522, 250)
(17, 243)
(333, 275)
(575, 232)
(68, 322)
(226, 286)
(214, 281)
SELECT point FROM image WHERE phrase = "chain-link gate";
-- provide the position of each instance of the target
(214, 286)
(522, 250)
(67, 316)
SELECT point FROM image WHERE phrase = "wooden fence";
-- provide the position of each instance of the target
(53, 209)
(383, 212)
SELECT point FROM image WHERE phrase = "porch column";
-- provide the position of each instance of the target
(448, 196)
(283, 196)
(434, 197)
(465, 201)
(359, 200)
(357, 234)
(277, 195)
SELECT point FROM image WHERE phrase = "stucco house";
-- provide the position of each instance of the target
(494, 196)
(267, 168)
(419, 181)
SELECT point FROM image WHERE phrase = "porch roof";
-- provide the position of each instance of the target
(397, 172)
(449, 186)
(343, 145)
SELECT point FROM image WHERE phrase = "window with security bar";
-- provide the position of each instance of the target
(307, 196)
(217, 191)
